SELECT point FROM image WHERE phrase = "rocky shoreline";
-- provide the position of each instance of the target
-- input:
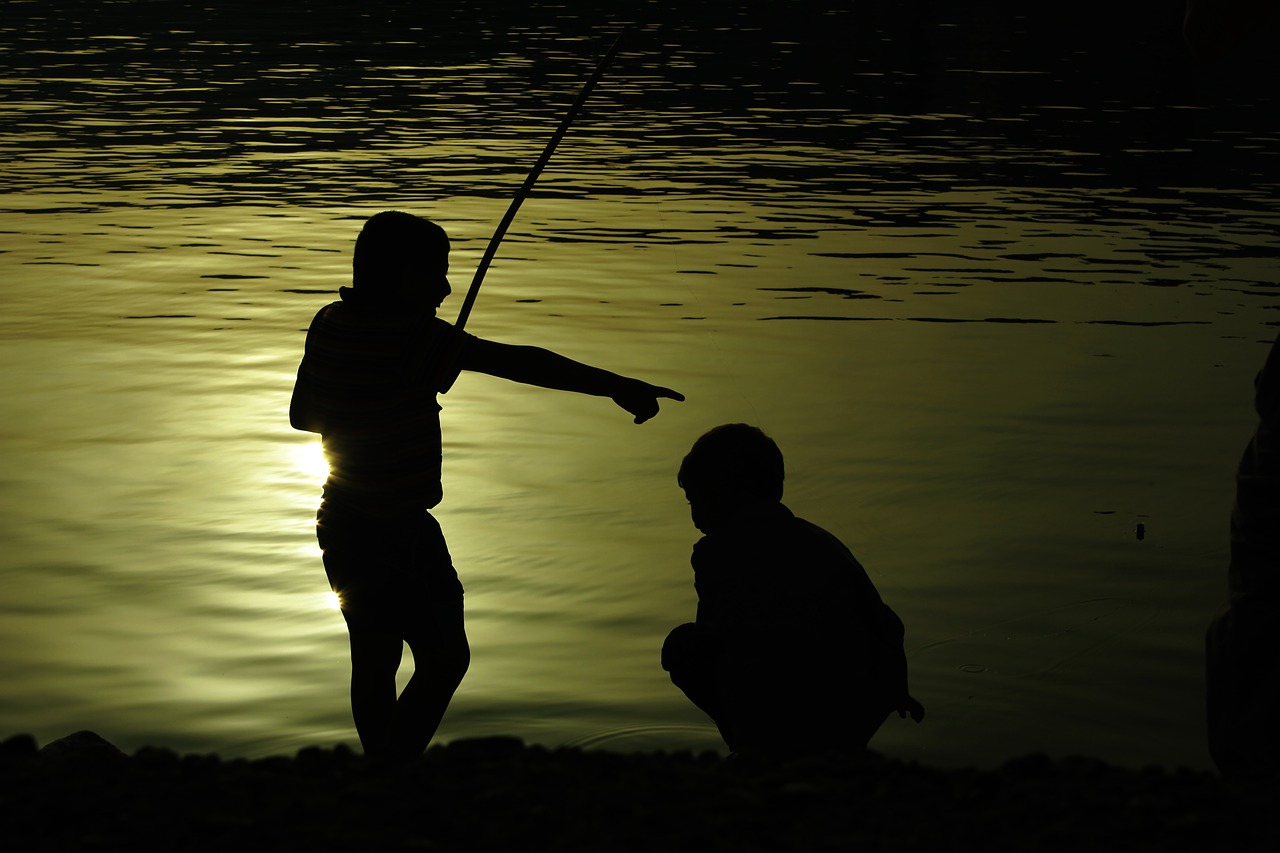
(81, 793)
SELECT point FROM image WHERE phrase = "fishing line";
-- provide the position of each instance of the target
(524, 190)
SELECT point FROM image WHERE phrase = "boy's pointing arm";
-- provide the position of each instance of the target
(537, 366)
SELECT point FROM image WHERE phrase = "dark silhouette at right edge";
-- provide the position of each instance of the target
(792, 651)
(1216, 28)
(1243, 643)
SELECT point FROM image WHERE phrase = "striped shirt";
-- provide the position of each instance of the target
(371, 377)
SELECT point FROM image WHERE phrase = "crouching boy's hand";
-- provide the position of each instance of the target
(911, 706)
(641, 398)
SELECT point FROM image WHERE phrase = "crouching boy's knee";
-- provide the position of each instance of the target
(683, 648)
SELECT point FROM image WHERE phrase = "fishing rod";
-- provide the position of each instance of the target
(523, 193)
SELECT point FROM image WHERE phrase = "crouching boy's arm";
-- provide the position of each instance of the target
(911, 705)
(537, 366)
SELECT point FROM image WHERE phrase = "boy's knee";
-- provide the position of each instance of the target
(458, 661)
(374, 649)
(449, 659)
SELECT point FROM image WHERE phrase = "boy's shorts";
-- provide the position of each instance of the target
(388, 571)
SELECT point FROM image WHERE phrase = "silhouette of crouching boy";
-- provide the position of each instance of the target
(792, 649)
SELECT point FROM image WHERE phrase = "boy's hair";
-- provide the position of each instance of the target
(392, 241)
(734, 460)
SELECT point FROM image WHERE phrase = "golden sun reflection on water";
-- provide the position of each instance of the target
(309, 460)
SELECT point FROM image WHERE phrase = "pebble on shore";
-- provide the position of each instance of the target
(82, 793)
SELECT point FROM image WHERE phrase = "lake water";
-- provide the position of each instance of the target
(998, 304)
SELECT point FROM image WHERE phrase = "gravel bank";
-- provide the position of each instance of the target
(81, 793)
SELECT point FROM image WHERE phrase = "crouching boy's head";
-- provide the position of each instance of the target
(401, 259)
(730, 468)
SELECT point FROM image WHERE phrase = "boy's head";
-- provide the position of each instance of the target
(730, 466)
(400, 257)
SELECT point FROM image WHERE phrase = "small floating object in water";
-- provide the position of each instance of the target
(1141, 531)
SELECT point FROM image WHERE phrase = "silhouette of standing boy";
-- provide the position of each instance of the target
(793, 650)
(373, 364)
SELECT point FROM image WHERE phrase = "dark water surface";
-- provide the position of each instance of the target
(996, 281)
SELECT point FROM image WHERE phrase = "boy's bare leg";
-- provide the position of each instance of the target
(396, 729)
(440, 660)
(375, 658)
